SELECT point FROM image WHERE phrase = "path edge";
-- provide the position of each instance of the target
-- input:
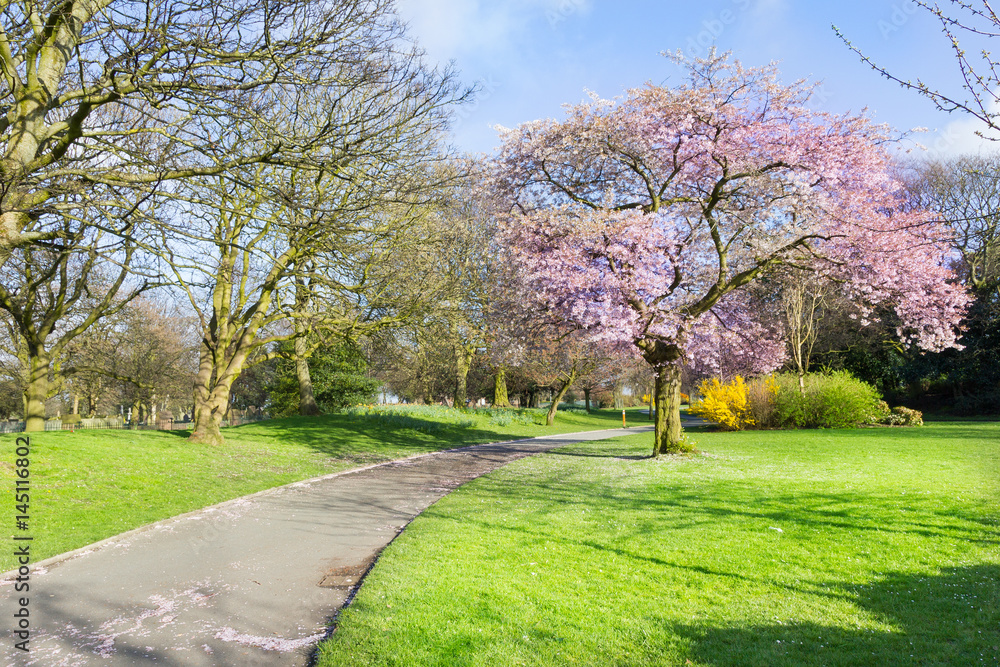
(58, 559)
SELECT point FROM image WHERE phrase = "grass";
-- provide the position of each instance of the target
(858, 547)
(89, 485)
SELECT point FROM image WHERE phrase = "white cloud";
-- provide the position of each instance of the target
(769, 8)
(959, 137)
(449, 29)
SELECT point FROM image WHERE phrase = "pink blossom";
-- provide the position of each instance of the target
(640, 219)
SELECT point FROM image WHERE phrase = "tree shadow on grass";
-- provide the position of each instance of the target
(864, 518)
(341, 435)
(952, 618)
(600, 455)
(948, 618)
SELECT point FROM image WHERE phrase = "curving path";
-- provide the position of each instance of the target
(253, 581)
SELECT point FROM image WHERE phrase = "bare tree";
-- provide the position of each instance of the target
(13, 367)
(144, 357)
(962, 21)
(104, 98)
(53, 295)
(257, 263)
(803, 303)
(965, 191)
(469, 272)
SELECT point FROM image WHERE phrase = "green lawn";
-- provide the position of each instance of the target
(89, 485)
(861, 547)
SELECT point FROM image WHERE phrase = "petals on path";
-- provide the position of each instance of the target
(268, 643)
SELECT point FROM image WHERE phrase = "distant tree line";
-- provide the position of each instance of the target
(286, 230)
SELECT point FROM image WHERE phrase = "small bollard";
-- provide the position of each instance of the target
(623, 420)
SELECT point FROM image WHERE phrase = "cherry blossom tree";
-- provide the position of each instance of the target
(739, 338)
(639, 220)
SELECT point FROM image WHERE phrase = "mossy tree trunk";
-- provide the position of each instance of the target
(667, 412)
(307, 398)
(500, 397)
(463, 362)
(560, 393)
(37, 390)
(666, 359)
(211, 395)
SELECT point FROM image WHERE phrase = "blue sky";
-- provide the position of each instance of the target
(532, 56)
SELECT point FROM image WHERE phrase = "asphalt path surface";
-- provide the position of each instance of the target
(253, 581)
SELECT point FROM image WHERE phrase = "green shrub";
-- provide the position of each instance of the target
(882, 413)
(831, 400)
(901, 416)
(842, 401)
(790, 405)
(339, 373)
(72, 419)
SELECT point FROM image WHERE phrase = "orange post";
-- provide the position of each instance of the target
(623, 420)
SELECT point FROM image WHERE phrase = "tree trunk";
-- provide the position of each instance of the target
(211, 400)
(463, 361)
(652, 401)
(586, 398)
(668, 409)
(500, 398)
(550, 418)
(307, 399)
(666, 359)
(37, 390)
(76, 404)
(618, 393)
(93, 398)
(208, 422)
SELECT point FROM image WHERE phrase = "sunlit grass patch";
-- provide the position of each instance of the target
(852, 547)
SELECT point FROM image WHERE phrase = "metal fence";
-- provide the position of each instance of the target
(122, 425)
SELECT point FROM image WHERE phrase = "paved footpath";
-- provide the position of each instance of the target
(253, 581)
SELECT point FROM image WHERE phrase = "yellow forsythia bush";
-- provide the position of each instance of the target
(725, 404)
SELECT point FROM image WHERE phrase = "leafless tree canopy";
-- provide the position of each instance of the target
(105, 100)
(967, 26)
(965, 192)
